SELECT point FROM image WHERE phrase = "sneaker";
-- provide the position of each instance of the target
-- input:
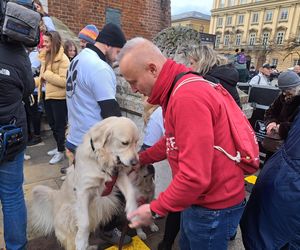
(52, 152)
(113, 237)
(27, 157)
(34, 141)
(59, 156)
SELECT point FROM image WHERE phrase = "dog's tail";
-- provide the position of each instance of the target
(41, 210)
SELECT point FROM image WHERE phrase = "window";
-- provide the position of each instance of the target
(284, 14)
(280, 37)
(113, 16)
(241, 19)
(220, 22)
(296, 62)
(226, 40)
(238, 39)
(222, 4)
(252, 39)
(230, 2)
(218, 40)
(269, 16)
(265, 38)
(255, 18)
(275, 61)
(243, 1)
(229, 20)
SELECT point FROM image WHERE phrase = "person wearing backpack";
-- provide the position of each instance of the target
(263, 77)
(241, 65)
(208, 185)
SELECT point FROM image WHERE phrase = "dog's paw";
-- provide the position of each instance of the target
(154, 227)
(141, 233)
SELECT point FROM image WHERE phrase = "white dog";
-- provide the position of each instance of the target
(108, 151)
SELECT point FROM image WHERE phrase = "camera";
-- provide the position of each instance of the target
(19, 22)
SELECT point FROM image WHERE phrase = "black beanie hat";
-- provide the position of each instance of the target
(111, 35)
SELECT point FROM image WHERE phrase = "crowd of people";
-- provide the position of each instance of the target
(205, 200)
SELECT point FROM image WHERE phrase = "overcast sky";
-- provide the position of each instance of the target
(179, 6)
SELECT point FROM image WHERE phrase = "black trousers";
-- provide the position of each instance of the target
(56, 111)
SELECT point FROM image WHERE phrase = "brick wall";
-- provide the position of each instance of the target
(138, 17)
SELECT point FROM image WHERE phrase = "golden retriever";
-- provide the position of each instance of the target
(143, 180)
(109, 149)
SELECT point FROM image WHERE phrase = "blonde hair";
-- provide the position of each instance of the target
(148, 109)
(205, 58)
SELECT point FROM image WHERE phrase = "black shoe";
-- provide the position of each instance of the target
(34, 141)
(113, 237)
(63, 170)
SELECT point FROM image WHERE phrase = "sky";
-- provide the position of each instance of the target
(179, 6)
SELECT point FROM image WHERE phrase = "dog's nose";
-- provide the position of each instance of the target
(133, 162)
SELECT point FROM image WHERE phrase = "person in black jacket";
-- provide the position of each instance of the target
(16, 84)
(214, 67)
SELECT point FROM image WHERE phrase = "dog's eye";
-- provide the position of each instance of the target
(126, 143)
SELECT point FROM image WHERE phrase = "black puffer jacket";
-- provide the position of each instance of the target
(16, 84)
(228, 77)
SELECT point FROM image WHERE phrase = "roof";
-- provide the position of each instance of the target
(191, 14)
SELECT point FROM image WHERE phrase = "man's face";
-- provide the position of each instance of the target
(297, 69)
(111, 54)
(266, 71)
(139, 78)
(82, 43)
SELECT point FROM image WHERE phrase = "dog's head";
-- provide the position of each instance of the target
(143, 180)
(115, 140)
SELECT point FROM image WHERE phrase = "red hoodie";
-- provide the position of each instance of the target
(195, 121)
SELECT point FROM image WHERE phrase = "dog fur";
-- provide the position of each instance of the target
(78, 208)
(143, 180)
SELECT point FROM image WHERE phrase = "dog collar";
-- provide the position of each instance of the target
(92, 144)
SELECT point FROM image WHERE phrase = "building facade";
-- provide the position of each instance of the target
(137, 18)
(268, 30)
(192, 19)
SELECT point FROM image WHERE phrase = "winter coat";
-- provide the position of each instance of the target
(271, 218)
(16, 84)
(283, 113)
(55, 76)
(194, 121)
(228, 77)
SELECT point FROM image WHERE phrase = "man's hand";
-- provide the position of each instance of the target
(272, 127)
(140, 217)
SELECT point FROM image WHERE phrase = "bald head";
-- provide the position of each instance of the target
(140, 63)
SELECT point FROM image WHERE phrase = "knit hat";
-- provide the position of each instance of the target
(288, 79)
(89, 33)
(112, 35)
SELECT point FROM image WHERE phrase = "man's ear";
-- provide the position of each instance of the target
(153, 69)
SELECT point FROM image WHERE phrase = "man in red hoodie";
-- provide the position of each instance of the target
(207, 186)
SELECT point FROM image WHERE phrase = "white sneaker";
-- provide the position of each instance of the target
(59, 156)
(27, 157)
(52, 152)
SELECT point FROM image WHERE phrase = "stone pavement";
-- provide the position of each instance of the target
(38, 171)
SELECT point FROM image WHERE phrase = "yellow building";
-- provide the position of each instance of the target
(268, 30)
(192, 19)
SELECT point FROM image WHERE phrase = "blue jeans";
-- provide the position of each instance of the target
(13, 203)
(207, 229)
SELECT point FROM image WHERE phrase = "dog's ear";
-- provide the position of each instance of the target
(101, 134)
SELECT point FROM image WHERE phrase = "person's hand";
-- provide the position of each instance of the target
(140, 217)
(273, 126)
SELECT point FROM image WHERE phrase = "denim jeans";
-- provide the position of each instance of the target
(207, 229)
(13, 203)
